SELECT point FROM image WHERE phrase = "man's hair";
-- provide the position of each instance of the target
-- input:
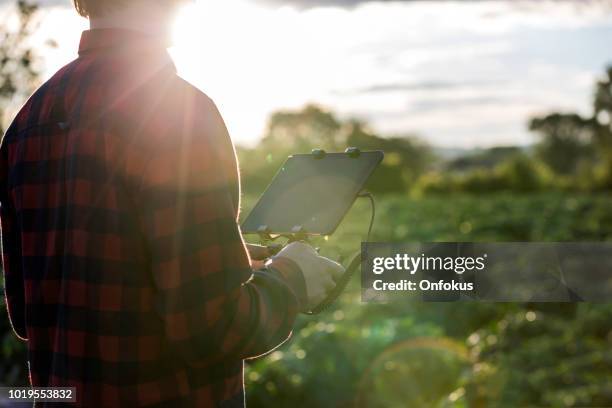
(89, 8)
(94, 8)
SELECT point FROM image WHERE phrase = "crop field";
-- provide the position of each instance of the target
(446, 354)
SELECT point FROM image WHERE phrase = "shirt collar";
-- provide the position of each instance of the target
(116, 39)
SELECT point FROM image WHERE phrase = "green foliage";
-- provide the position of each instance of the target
(518, 173)
(405, 158)
(579, 147)
(603, 111)
(416, 354)
(19, 73)
(13, 364)
(291, 132)
(482, 159)
(300, 130)
(566, 140)
(553, 355)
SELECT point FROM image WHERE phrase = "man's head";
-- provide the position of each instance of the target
(152, 16)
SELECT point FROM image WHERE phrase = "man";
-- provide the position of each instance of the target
(125, 270)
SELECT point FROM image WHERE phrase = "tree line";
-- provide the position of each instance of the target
(572, 153)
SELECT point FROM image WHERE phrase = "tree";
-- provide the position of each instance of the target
(301, 130)
(566, 140)
(602, 105)
(19, 72)
(405, 158)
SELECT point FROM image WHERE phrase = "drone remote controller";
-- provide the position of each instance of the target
(309, 196)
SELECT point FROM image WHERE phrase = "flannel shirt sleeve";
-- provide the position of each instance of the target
(11, 253)
(214, 307)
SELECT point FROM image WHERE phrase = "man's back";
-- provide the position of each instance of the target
(125, 269)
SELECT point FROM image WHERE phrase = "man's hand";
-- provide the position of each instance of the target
(320, 273)
(258, 252)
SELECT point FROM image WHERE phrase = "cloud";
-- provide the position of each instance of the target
(444, 104)
(42, 2)
(317, 3)
(304, 4)
(354, 3)
(426, 85)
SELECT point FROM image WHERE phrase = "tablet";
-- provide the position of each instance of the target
(311, 193)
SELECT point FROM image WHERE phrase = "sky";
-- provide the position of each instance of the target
(456, 74)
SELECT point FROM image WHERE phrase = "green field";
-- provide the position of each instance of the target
(422, 355)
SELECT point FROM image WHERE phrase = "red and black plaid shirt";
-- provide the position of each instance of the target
(124, 266)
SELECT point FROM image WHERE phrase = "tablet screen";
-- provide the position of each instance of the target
(311, 194)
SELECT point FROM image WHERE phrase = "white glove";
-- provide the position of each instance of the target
(320, 273)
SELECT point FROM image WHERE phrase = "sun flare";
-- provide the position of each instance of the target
(248, 58)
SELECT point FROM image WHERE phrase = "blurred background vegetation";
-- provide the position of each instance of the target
(424, 354)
